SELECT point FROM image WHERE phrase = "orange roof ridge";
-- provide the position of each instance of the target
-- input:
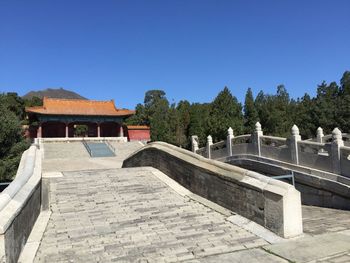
(54, 106)
(64, 99)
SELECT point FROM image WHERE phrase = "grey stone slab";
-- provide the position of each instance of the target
(320, 220)
(131, 214)
(312, 248)
(244, 256)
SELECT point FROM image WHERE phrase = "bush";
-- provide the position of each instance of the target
(80, 130)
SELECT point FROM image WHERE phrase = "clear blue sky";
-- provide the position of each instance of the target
(106, 49)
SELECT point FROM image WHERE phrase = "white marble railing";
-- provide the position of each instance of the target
(24, 172)
(319, 153)
(20, 205)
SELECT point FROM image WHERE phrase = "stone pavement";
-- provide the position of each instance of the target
(104, 214)
(320, 220)
(129, 215)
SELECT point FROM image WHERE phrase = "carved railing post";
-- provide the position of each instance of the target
(195, 144)
(320, 135)
(294, 144)
(230, 136)
(337, 142)
(209, 144)
(256, 138)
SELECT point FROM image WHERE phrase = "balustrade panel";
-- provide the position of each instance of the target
(315, 155)
(345, 161)
(218, 150)
(275, 148)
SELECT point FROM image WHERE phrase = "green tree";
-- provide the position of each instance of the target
(250, 112)
(12, 143)
(153, 96)
(275, 112)
(34, 101)
(159, 120)
(140, 117)
(183, 123)
(327, 106)
(199, 115)
(13, 103)
(305, 117)
(157, 115)
(343, 103)
(225, 112)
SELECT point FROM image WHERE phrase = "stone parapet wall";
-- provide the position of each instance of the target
(20, 206)
(273, 204)
(317, 187)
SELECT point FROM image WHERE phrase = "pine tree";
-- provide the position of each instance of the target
(304, 116)
(343, 116)
(182, 129)
(225, 112)
(250, 112)
(199, 115)
(327, 106)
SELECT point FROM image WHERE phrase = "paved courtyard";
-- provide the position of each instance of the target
(73, 156)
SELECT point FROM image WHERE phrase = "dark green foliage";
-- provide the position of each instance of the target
(33, 101)
(275, 114)
(140, 117)
(153, 96)
(250, 112)
(199, 114)
(156, 108)
(80, 130)
(225, 111)
(13, 103)
(158, 113)
(304, 115)
(343, 116)
(182, 125)
(326, 106)
(12, 143)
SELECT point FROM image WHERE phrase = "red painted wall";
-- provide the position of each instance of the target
(139, 135)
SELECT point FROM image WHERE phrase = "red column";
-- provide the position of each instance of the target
(98, 130)
(66, 130)
(121, 131)
(39, 131)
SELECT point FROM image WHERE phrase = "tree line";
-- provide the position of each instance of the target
(175, 123)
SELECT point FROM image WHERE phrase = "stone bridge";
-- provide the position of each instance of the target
(158, 203)
(321, 166)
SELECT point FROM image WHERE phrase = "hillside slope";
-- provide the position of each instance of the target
(54, 93)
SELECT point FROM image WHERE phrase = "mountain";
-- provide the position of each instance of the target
(54, 93)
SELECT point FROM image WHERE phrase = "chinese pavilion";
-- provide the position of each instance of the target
(60, 117)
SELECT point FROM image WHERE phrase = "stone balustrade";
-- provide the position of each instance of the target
(20, 205)
(321, 154)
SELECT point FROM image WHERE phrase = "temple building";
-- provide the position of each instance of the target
(62, 117)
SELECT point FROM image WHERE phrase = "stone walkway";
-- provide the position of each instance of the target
(101, 213)
(129, 215)
(320, 220)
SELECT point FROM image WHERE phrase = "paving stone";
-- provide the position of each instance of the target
(320, 220)
(132, 216)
